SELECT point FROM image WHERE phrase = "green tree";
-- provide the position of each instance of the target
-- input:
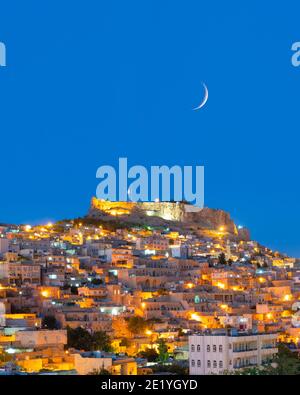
(137, 325)
(97, 281)
(125, 342)
(101, 341)
(150, 354)
(180, 332)
(5, 357)
(49, 322)
(252, 371)
(81, 339)
(265, 265)
(100, 372)
(163, 354)
(74, 290)
(285, 363)
(162, 292)
(175, 368)
(222, 259)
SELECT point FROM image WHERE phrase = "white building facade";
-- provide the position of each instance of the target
(217, 353)
(4, 245)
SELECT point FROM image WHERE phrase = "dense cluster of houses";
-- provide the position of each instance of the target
(216, 302)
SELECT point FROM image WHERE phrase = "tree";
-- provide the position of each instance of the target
(97, 281)
(74, 290)
(162, 292)
(125, 342)
(222, 259)
(175, 368)
(81, 339)
(101, 341)
(49, 322)
(5, 357)
(163, 354)
(120, 327)
(137, 325)
(252, 371)
(100, 372)
(285, 363)
(150, 354)
(180, 332)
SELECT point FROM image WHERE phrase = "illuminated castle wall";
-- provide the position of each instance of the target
(205, 218)
(173, 211)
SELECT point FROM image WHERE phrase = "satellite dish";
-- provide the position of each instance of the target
(296, 316)
(296, 306)
(296, 320)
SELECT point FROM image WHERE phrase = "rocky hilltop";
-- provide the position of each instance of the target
(178, 215)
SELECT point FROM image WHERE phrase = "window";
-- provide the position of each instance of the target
(208, 363)
(193, 362)
(221, 364)
(214, 348)
(220, 348)
(199, 363)
(215, 364)
(193, 348)
(208, 348)
(198, 347)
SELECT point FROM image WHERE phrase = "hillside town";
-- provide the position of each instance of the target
(110, 294)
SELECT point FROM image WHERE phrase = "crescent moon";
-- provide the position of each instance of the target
(205, 98)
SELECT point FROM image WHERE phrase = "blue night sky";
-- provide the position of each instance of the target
(88, 82)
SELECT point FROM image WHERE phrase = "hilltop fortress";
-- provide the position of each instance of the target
(161, 213)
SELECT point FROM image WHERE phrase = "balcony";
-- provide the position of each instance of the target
(244, 365)
(244, 350)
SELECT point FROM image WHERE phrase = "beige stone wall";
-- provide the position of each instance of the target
(166, 210)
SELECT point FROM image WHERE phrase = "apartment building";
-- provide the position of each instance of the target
(217, 351)
(38, 339)
(23, 272)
